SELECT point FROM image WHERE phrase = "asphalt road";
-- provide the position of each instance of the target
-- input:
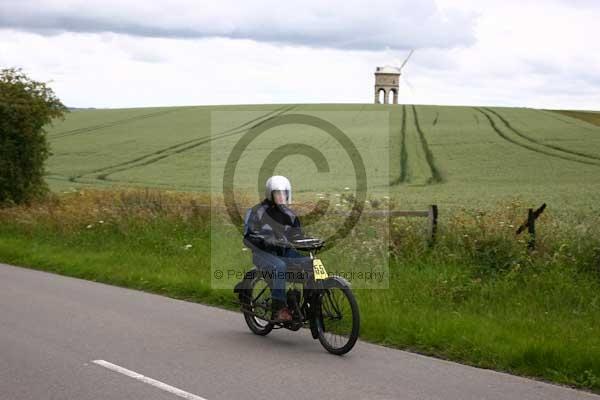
(55, 329)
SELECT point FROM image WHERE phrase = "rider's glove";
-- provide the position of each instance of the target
(273, 241)
(292, 232)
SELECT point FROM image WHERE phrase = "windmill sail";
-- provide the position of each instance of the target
(406, 59)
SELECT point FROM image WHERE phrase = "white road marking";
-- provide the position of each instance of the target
(150, 381)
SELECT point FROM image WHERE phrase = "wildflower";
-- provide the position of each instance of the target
(100, 222)
(346, 188)
(188, 246)
(89, 226)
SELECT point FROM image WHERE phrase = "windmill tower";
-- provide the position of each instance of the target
(387, 81)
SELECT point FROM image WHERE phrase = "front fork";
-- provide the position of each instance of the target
(313, 308)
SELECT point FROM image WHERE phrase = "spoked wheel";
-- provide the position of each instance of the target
(338, 322)
(259, 301)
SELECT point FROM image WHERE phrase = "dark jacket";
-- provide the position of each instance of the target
(272, 221)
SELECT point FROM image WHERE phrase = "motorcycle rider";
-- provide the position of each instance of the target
(275, 223)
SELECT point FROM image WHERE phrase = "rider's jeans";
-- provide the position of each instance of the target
(277, 266)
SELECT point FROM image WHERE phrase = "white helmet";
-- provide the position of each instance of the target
(278, 182)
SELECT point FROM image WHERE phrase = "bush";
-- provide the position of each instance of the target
(26, 106)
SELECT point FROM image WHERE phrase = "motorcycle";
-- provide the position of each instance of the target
(322, 302)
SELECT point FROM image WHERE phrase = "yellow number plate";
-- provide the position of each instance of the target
(319, 269)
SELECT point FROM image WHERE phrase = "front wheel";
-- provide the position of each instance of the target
(338, 319)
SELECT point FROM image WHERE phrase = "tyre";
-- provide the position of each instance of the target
(258, 300)
(338, 319)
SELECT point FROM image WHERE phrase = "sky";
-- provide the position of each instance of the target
(109, 53)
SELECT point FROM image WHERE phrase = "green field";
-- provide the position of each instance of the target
(452, 156)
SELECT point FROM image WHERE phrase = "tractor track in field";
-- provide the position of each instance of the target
(111, 124)
(436, 177)
(526, 146)
(551, 146)
(403, 152)
(63, 178)
(230, 132)
(178, 148)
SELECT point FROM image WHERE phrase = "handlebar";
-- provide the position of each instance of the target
(301, 243)
(308, 244)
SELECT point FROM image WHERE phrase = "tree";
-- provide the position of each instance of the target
(26, 107)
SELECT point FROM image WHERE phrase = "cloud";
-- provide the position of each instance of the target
(525, 54)
(338, 24)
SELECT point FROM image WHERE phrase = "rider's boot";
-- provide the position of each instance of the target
(280, 311)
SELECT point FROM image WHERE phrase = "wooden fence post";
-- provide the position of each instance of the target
(433, 220)
(531, 229)
(530, 225)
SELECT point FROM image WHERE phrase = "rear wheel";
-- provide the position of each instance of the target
(258, 304)
(338, 319)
